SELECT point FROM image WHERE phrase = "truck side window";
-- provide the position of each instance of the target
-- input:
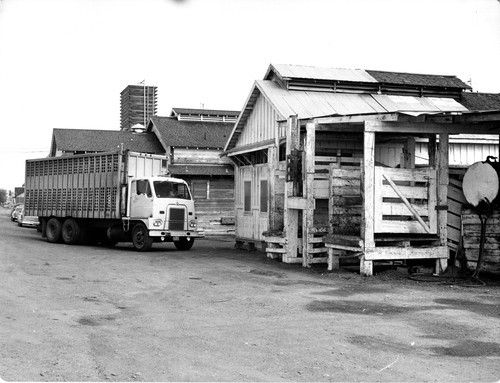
(143, 187)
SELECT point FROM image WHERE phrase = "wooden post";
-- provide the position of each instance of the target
(442, 196)
(273, 161)
(368, 192)
(308, 193)
(291, 216)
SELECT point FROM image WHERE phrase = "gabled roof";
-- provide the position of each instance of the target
(481, 101)
(193, 134)
(81, 140)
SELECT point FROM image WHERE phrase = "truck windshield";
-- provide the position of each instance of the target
(167, 189)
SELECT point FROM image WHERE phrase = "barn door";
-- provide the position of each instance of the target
(405, 201)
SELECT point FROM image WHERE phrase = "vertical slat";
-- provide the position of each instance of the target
(432, 201)
(378, 199)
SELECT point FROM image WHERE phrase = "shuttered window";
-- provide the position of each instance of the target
(247, 196)
(264, 196)
(199, 189)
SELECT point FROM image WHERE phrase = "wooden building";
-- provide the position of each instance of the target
(326, 163)
(193, 140)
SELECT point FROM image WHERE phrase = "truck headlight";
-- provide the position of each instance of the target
(158, 222)
(192, 223)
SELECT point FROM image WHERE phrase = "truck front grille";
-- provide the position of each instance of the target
(177, 217)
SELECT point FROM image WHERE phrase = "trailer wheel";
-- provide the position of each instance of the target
(54, 230)
(71, 232)
(140, 238)
(184, 243)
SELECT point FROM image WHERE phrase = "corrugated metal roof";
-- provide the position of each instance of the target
(318, 73)
(310, 104)
(417, 104)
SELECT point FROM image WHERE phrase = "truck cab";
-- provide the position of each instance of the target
(165, 207)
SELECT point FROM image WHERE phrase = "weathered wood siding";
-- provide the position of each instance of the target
(214, 204)
(261, 124)
(472, 238)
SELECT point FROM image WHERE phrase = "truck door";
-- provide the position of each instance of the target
(141, 199)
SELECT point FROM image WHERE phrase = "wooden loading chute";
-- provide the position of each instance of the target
(377, 213)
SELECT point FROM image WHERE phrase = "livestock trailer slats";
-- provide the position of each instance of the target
(78, 186)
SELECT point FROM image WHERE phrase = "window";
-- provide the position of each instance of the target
(247, 190)
(143, 187)
(167, 189)
(264, 196)
(200, 189)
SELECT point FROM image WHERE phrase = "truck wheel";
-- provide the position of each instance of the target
(54, 230)
(184, 243)
(140, 238)
(71, 232)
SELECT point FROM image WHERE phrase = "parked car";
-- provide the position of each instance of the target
(15, 212)
(27, 220)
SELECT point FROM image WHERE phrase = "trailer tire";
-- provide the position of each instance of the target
(71, 232)
(140, 238)
(184, 243)
(54, 230)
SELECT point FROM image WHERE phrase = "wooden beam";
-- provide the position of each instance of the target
(356, 119)
(431, 127)
(394, 253)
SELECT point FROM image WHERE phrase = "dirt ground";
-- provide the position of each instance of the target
(214, 313)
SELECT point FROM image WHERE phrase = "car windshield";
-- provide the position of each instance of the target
(169, 189)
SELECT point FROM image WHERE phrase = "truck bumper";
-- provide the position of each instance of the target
(169, 235)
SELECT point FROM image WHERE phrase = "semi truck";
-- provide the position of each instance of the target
(108, 198)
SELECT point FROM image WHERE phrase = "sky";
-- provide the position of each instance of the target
(63, 63)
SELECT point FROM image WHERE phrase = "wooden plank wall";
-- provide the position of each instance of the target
(216, 213)
(261, 124)
(346, 202)
(472, 236)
